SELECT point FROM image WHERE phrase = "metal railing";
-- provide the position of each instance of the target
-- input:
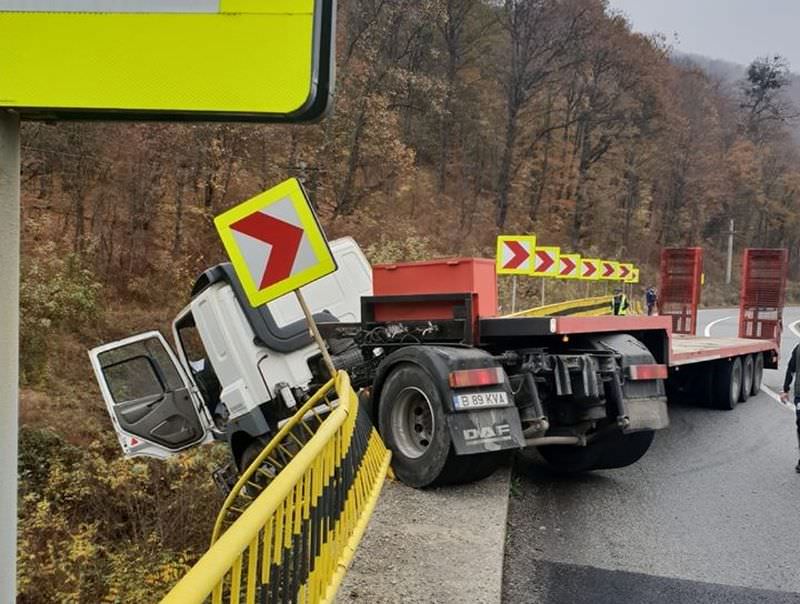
(586, 307)
(289, 528)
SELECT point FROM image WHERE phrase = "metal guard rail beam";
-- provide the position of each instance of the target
(586, 307)
(296, 540)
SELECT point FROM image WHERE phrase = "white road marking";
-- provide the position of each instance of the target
(776, 397)
(793, 327)
(707, 331)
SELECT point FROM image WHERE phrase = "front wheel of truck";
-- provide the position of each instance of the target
(413, 424)
(614, 451)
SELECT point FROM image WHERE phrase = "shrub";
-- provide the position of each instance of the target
(95, 527)
(57, 293)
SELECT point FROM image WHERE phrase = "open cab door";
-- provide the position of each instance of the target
(153, 406)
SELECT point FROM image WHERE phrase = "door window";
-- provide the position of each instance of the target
(150, 350)
(133, 378)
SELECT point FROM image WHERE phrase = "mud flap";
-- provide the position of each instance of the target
(485, 431)
(646, 414)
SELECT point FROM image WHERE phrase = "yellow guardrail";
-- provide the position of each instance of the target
(585, 307)
(289, 529)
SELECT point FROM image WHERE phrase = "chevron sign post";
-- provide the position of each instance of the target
(275, 243)
(277, 246)
(515, 255)
(590, 269)
(546, 261)
(569, 266)
(609, 270)
(625, 271)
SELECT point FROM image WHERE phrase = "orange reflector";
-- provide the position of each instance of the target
(472, 378)
(647, 372)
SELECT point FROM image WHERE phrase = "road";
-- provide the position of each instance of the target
(711, 513)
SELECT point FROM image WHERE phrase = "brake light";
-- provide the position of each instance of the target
(647, 372)
(473, 378)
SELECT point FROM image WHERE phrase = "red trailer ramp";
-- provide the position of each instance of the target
(763, 294)
(679, 296)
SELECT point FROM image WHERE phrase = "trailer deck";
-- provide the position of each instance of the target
(697, 349)
(682, 349)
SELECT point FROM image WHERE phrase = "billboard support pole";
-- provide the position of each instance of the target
(9, 347)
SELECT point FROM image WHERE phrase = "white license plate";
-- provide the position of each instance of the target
(480, 400)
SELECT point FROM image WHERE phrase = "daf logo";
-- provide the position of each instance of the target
(501, 431)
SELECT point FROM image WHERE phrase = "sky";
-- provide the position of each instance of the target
(732, 30)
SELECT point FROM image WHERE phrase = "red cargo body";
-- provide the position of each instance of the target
(679, 292)
(451, 276)
(763, 294)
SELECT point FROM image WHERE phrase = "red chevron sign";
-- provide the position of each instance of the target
(284, 238)
(589, 268)
(544, 261)
(608, 270)
(515, 254)
(625, 271)
(568, 267)
(275, 243)
(519, 255)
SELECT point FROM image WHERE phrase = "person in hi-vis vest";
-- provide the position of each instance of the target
(619, 304)
(791, 370)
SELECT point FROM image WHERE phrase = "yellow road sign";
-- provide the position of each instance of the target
(634, 277)
(609, 270)
(275, 243)
(515, 254)
(569, 266)
(255, 60)
(590, 269)
(625, 269)
(546, 261)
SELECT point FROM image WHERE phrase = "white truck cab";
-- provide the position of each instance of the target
(235, 371)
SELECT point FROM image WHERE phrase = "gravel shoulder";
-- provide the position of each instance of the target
(436, 546)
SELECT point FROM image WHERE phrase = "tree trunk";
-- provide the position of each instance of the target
(345, 201)
(177, 241)
(632, 194)
(582, 182)
(504, 177)
(446, 121)
(80, 217)
(541, 185)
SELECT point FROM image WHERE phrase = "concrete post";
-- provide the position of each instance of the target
(9, 348)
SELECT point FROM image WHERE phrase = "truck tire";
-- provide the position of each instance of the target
(615, 451)
(758, 373)
(413, 424)
(727, 383)
(748, 369)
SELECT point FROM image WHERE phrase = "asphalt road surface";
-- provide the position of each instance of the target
(710, 514)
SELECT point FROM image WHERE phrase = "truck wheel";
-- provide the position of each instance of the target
(727, 383)
(748, 367)
(615, 451)
(413, 424)
(758, 373)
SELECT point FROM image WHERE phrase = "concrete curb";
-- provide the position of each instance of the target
(437, 546)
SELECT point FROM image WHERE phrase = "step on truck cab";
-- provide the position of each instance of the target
(233, 372)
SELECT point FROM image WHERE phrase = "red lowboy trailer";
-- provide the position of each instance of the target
(452, 388)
